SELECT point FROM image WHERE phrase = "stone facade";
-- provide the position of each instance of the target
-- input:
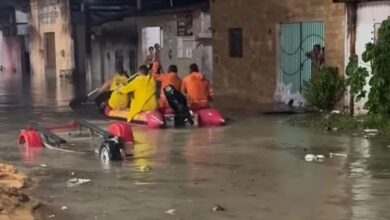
(48, 16)
(254, 76)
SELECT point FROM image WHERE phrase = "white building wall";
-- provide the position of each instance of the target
(368, 14)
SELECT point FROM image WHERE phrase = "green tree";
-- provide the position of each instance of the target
(356, 81)
(378, 55)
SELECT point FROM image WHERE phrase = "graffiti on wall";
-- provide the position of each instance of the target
(49, 11)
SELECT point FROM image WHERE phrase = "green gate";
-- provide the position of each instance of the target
(296, 40)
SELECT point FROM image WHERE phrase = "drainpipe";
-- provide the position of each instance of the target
(351, 28)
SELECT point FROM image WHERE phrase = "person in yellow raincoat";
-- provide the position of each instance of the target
(143, 88)
(109, 90)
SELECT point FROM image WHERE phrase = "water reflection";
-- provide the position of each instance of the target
(369, 173)
(30, 155)
(32, 91)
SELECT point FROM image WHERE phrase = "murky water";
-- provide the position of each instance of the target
(254, 168)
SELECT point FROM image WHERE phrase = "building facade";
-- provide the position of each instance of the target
(260, 44)
(51, 43)
(127, 42)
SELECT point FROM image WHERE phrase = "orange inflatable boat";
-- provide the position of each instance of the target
(166, 118)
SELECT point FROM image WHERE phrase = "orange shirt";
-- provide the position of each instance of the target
(197, 88)
(168, 79)
(155, 68)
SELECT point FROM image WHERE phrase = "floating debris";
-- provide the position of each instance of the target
(319, 158)
(51, 216)
(331, 155)
(218, 208)
(310, 157)
(76, 181)
(145, 168)
(337, 112)
(171, 211)
(43, 165)
(64, 208)
(371, 130)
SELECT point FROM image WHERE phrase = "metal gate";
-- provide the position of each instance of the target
(296, 40)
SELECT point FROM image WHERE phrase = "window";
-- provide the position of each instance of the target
(235, 42)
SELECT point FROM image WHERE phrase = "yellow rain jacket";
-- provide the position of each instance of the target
(117, 99)
(144, 95)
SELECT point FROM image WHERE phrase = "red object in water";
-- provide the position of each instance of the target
(31, 138)
(123, 130)
(155, 120)
(210, 117)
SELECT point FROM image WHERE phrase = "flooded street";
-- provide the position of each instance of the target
(254, 168)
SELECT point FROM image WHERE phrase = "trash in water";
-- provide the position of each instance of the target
(43, 165)
(52, 216)
(73, 173)
(218, 208)
(171, 211)
(310, 157)
(77, 181)
(320, 158)
(145, 168)
(336, 112)
(64, 208)
(337, 155)
(144, 183)
(371, 130)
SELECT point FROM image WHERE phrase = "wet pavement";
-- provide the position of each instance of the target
(254, 168)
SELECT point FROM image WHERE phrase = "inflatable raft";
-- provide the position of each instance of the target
(178, 115)
(166, 118)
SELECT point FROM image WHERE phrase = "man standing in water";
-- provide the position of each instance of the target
(150, 57)
(315, 57)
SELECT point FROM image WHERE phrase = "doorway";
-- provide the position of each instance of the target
(150, 37)
(50, 52)
(296, 40)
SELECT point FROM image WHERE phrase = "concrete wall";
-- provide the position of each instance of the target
(103, 57)
(201, 54)
(369, 14)
(254, 76)
(126, 35)
(12, 54)
(58, 23)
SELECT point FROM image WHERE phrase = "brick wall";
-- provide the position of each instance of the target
(254, 76)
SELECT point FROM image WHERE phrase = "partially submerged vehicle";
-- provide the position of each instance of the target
(115, 141)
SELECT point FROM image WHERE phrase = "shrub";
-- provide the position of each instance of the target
(325, 89)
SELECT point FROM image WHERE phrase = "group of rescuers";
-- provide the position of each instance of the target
(140, 94)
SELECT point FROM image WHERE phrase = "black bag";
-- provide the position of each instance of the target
(178, 102)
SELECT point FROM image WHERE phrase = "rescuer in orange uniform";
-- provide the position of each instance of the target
(169, 78)
(197, 88)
